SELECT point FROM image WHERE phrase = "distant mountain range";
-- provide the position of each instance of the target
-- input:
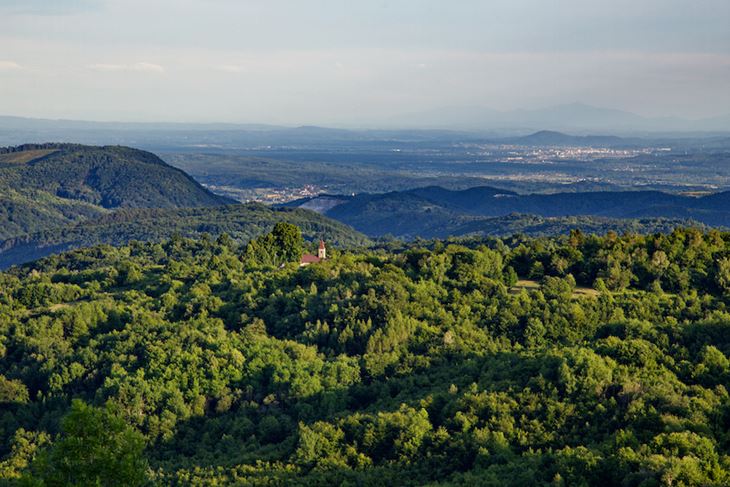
(439, 125)
(552, 138)
(438, 212)
(576, 117)
(197, 136)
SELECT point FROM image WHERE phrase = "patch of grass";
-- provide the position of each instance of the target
(25, 157)
(532, 285)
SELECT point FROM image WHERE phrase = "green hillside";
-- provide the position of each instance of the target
(27, 210)
(203, 362)
(50, 185)
(240, 222)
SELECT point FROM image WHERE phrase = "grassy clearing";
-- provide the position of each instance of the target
(25, 157)
(531, 285)
(58, 307)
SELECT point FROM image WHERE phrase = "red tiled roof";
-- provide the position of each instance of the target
(309, 259)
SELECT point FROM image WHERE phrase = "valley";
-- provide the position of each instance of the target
(542, 162)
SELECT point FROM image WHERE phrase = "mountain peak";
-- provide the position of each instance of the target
(553, 138)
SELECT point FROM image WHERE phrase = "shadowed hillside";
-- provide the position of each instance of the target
(437, 212)
(49, 185)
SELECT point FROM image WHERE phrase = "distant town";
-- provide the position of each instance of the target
(266, 195)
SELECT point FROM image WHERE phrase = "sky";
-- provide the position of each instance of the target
(335, 62)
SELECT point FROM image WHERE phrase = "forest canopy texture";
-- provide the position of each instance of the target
(574, 360)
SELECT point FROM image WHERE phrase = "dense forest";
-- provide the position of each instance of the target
(575, 360)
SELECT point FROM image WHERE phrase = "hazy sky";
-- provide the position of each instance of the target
(358, 61)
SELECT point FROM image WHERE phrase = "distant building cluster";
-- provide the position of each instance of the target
(267, 195)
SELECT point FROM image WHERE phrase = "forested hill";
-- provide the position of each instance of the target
(50, 185)
(570, 361)
(240, 222)
(437, 212)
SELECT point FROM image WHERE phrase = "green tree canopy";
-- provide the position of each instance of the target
(95, 447)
